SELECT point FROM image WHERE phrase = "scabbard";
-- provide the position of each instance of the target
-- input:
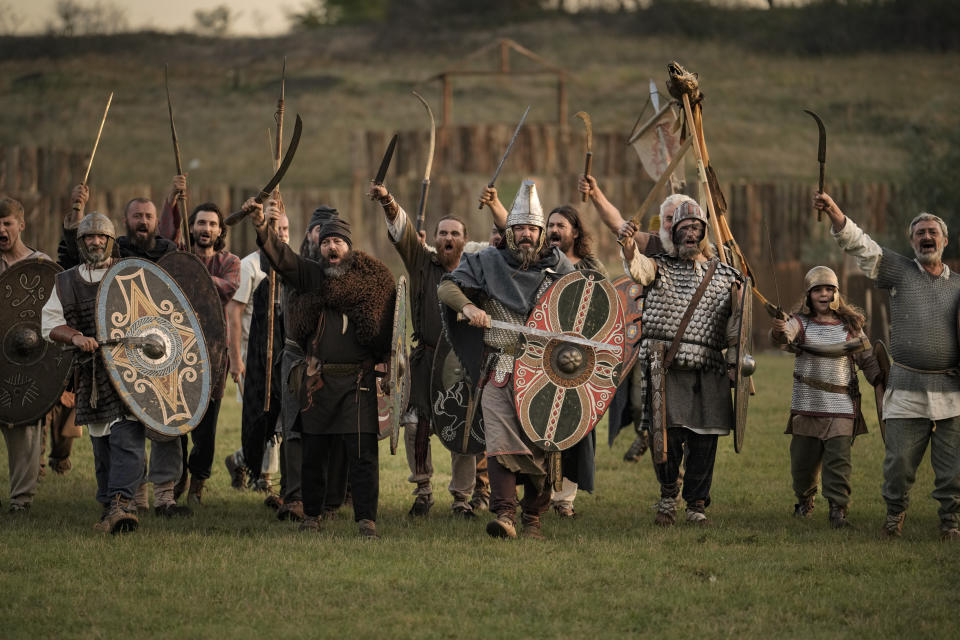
(658, 403)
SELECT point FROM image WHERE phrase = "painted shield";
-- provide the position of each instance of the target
(168, 394)
(883, 359)
(562, 389)
(399, 364)
(745, 362)
(456, 403)
(629, 292)
(33, 372)
(194, 280)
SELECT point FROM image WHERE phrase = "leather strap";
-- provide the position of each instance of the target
(64, 334)
(688, 314)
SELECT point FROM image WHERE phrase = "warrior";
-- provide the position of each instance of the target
(921, 405)
(681, 351)
(505, 285)
(825, 414)
(141, 241)
(24, 443)
(118, 438)
(208, 241)
(566, 232)
(240, 312)
(426, 268)
(627, 403)
(352, 319)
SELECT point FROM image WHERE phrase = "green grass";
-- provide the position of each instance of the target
(234, 571)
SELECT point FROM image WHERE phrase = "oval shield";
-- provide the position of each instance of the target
(399, 364)
(194, 279)
(169, 393)
(562, 389)
(456, 403)
(33, 372)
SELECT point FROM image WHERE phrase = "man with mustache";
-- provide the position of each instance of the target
(24, 443)
(241, 310)
(426, 268)
(626, 406)
(921, 405)
(566, 232)
(688, 320)
(141, 241)
(505, 284)
(117, 437)
(208, 242)
(351, 325)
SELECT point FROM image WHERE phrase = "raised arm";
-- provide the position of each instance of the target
(169, 224)
(636, 265)
(497, 210)
(850, 237)
(609, 214)
(300, 274)
(400, 229)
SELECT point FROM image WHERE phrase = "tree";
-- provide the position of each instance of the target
(76, 19)
(318, 13)
(214, 22)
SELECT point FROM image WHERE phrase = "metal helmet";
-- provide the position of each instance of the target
(817, 277)
(688, 210)
(95, 224)
(526, 209)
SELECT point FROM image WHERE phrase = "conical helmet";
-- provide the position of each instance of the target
(526, 207)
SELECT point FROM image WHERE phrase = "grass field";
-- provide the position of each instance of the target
(234, 571)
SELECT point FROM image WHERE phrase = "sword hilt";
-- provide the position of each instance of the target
(587, 167)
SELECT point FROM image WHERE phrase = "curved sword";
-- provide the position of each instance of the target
(516, 132)
(237, 216)
(588, 162)
(821, 152)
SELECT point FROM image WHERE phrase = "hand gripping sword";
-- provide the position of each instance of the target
(181, 205)
(551, 335)
(271, 314)
(821, 153)
(506, 153)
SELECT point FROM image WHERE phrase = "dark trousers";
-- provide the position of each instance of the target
(321, 473)
(701, 452)
(204, 435)
(503, 491)
(118, 460)
(291, 463)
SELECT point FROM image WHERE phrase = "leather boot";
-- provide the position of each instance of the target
(531, 527)
(195, 492)
(122, 516)
(803, 508)
(893, 526)
(503, 526)
(838, 516)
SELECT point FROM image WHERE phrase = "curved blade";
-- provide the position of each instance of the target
(236, 217)
(433, 135)
(583, 115)
(822, 147)
(385, 163)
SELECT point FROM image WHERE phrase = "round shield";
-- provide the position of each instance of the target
(745, 364)
(629, 291)
(457, 418)
(168, 392)
(33, 372)
(562, 389)
(194, 279)
(399, 364)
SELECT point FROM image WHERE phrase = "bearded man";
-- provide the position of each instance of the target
(688, 319)
(353, 325)
(141, 241)
(426, 268)
(505, 284)
(68, 317)
(24, 443)
(208, 242)
(921, 404)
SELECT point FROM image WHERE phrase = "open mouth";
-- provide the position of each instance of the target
(928, 246)
(554, 238)
(448, 246)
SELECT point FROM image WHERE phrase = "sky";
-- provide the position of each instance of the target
(252, 16)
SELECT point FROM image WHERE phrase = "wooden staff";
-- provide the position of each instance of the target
(271, 315)
(699, 152)
(86, 174)
(181, 204)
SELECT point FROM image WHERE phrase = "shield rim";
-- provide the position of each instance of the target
(206, 373)
(17, 266)
(442, 351)
(615, 334)
(882, 355)
(742, 389)
(399, 377)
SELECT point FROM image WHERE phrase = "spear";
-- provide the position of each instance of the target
(271, 314)
(86, 174)
(181, 205)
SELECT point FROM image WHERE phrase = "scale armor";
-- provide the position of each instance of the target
(705, 337)
(504, 340)
(808, 400)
